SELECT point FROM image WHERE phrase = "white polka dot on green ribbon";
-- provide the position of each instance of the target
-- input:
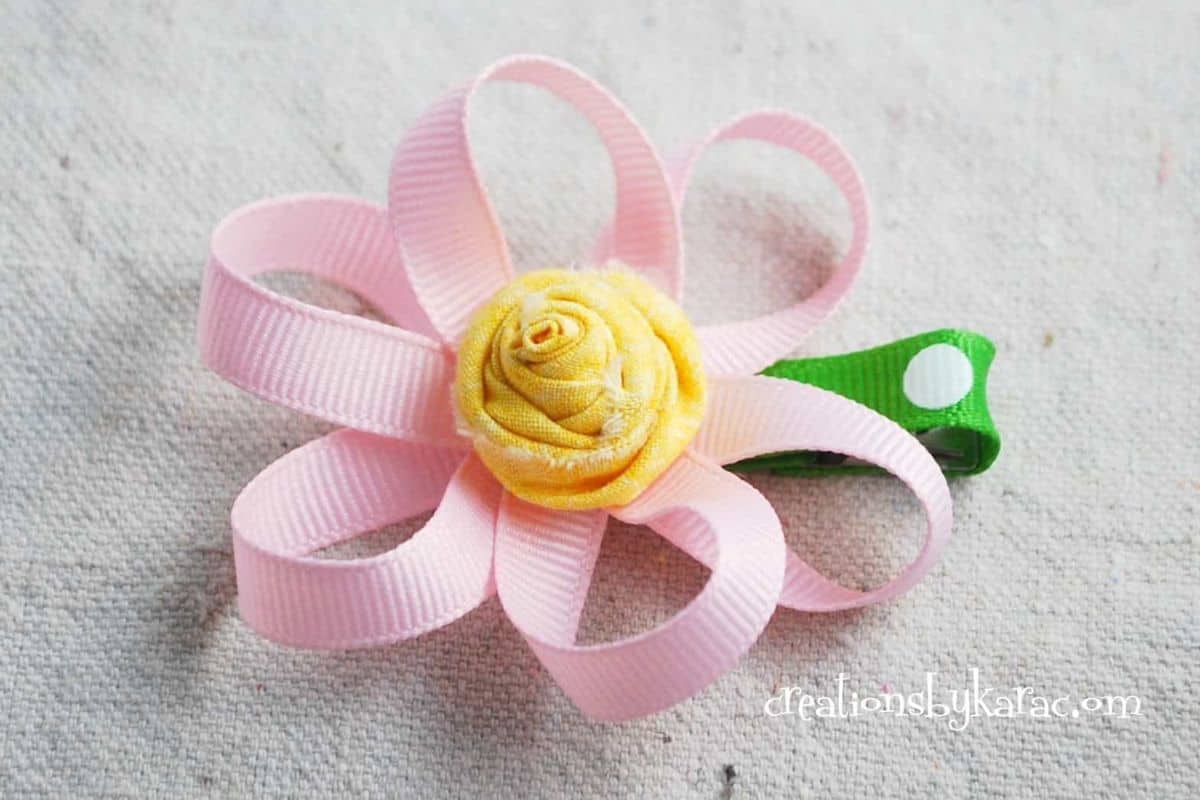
(933, 385)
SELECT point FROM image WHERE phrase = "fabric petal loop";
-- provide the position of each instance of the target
(746, 347)
(449, 234)
(544, 561)
(349, 483)
(755, 415)
(342, 368)
(543, 567)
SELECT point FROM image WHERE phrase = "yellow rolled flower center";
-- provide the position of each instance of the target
(579, 388)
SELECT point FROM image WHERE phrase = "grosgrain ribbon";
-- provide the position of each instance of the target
(427, 262)
(934, 385)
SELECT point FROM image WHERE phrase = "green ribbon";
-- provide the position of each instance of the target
(931, 393)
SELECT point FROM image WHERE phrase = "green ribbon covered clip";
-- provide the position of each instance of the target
(933, 385)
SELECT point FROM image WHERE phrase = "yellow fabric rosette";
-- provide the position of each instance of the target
(579, 388)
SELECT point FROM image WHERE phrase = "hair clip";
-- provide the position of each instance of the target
(934, 385)
(528, 409)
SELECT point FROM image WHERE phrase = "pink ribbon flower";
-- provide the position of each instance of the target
(427, 262)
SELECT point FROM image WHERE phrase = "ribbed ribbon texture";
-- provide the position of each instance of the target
(427, 262)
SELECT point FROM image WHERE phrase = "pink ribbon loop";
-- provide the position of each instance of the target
(453, 248)
(544, 561)
(335, 488)
(342, 368)
(749, 346)
(384, 381)
(756, 415)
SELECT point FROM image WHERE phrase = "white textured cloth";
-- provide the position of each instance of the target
(1035, 177)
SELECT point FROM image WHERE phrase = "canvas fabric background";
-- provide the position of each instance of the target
(1034, 176)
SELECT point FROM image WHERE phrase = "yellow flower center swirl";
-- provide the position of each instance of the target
(579, 388)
